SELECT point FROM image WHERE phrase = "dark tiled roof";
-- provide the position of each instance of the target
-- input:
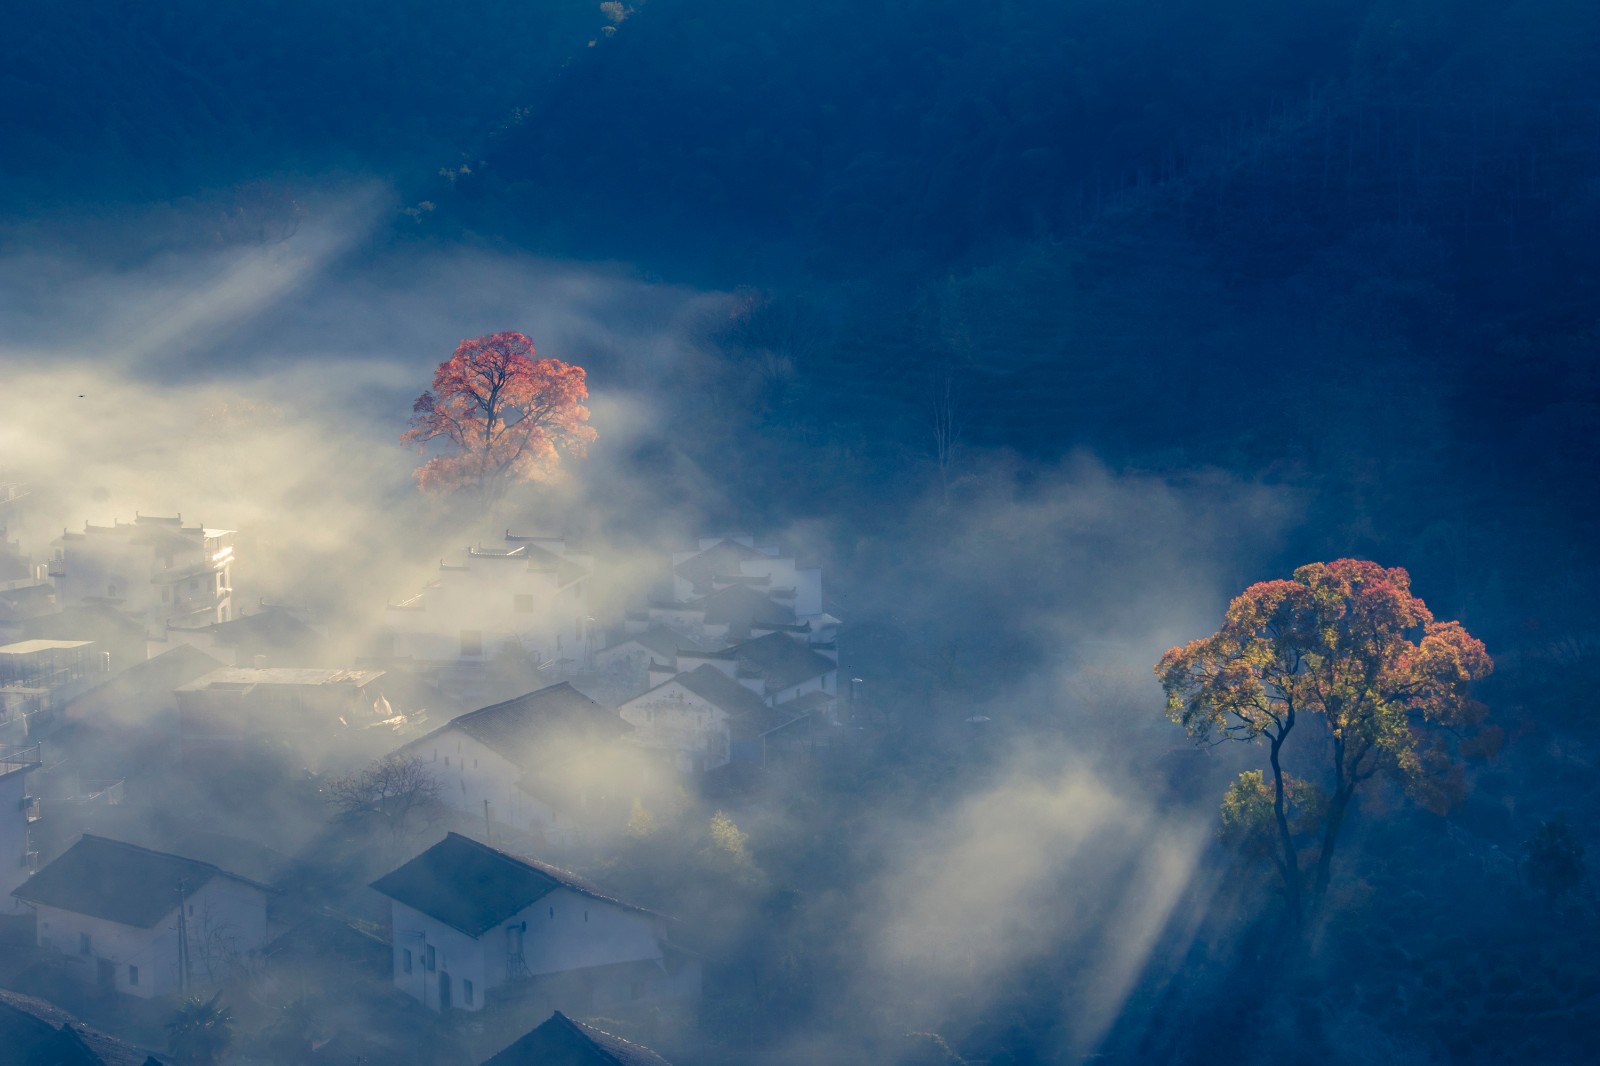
(269, 629)
(34, 1032)
(560, 1041)
(740, 606)
(722, 557)
(153, 678)
(472, 887)
(118, 882)
(720, 690)
(783, 661)
(518, 727)
(657, 639)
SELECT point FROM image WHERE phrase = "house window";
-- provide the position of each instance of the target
(133, 974)
(83, 944)
(522, 604)
(430, 960)
(472, 642)
(552, 912)
(466, 991)
(405, 961)
(447, 760)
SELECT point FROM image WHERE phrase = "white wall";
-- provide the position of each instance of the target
(483, 598)
(565, 931)
(670, 718)
(226, 926)
(470, 773)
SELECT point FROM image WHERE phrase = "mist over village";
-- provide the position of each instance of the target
(924, 534)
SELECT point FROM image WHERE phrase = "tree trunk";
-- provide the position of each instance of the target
(1291, 861)
(1338, 808)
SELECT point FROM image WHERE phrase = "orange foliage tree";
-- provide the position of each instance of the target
(1347, 654)
(503, 414)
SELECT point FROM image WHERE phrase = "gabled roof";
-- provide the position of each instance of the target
(275, 628)
(658, 640)
(721, 691)
(561, 1041)
(34, 1032)
(722, 557)
(473, 888)
(784, 661)
(119, 882)
(742, 606)
(525, 723)
(156, 676)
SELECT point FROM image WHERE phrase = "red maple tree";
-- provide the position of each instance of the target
(503, 414)
(1347, 652)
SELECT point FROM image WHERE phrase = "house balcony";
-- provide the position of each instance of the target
(30, 808)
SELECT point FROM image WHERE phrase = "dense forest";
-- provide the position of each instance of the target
(1051, 325)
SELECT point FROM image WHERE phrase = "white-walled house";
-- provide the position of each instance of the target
(155, 569)
(470, 922)
(703, 719)
(717, 562)
(539, 763)
(16, 814)
(145, 922)
(532, 596)
(780, 666)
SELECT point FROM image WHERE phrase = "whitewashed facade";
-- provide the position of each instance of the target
(468, 920)
(530, 597)
(154, 568)
(127, 919)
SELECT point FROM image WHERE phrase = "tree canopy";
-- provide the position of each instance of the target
(503, 414)
(1346, 647)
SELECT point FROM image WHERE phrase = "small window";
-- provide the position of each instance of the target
(552, 912)
(133, 974)
(474, 764)
(522, 604)
(191, 910)
(405, 961)
(447, 760)
(466, 991)
(84, 946)
(431, 962)
(586, 916)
